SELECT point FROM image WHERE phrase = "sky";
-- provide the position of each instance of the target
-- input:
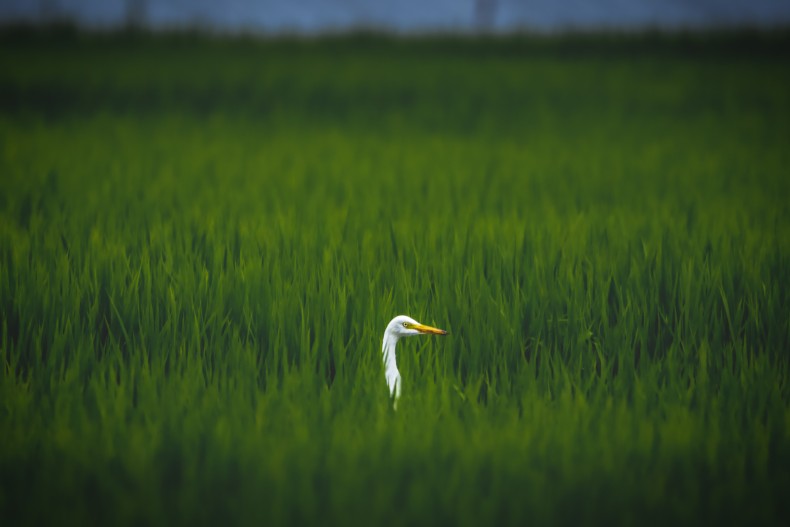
(311, 16)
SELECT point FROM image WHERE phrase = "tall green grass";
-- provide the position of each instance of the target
(201, 242)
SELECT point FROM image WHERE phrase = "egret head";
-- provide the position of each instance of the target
(403, 326)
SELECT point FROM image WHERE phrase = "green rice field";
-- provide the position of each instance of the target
(202, 240)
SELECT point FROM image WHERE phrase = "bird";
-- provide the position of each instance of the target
(400, 326)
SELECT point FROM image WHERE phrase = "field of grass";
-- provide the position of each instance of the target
(202, 241)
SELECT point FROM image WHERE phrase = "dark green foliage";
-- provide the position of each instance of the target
(201, 242)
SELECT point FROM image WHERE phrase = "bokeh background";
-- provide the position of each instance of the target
(311, 16)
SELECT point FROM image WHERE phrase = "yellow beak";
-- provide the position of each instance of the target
(422, 328)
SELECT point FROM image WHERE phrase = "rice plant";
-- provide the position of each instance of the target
(202, 241)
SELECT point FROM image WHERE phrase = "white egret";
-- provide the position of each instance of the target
(400, 326)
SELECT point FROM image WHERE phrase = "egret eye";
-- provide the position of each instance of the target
(405, 324)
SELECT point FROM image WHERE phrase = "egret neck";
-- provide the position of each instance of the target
(390, 364)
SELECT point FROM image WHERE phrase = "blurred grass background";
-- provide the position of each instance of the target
(202, 240)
